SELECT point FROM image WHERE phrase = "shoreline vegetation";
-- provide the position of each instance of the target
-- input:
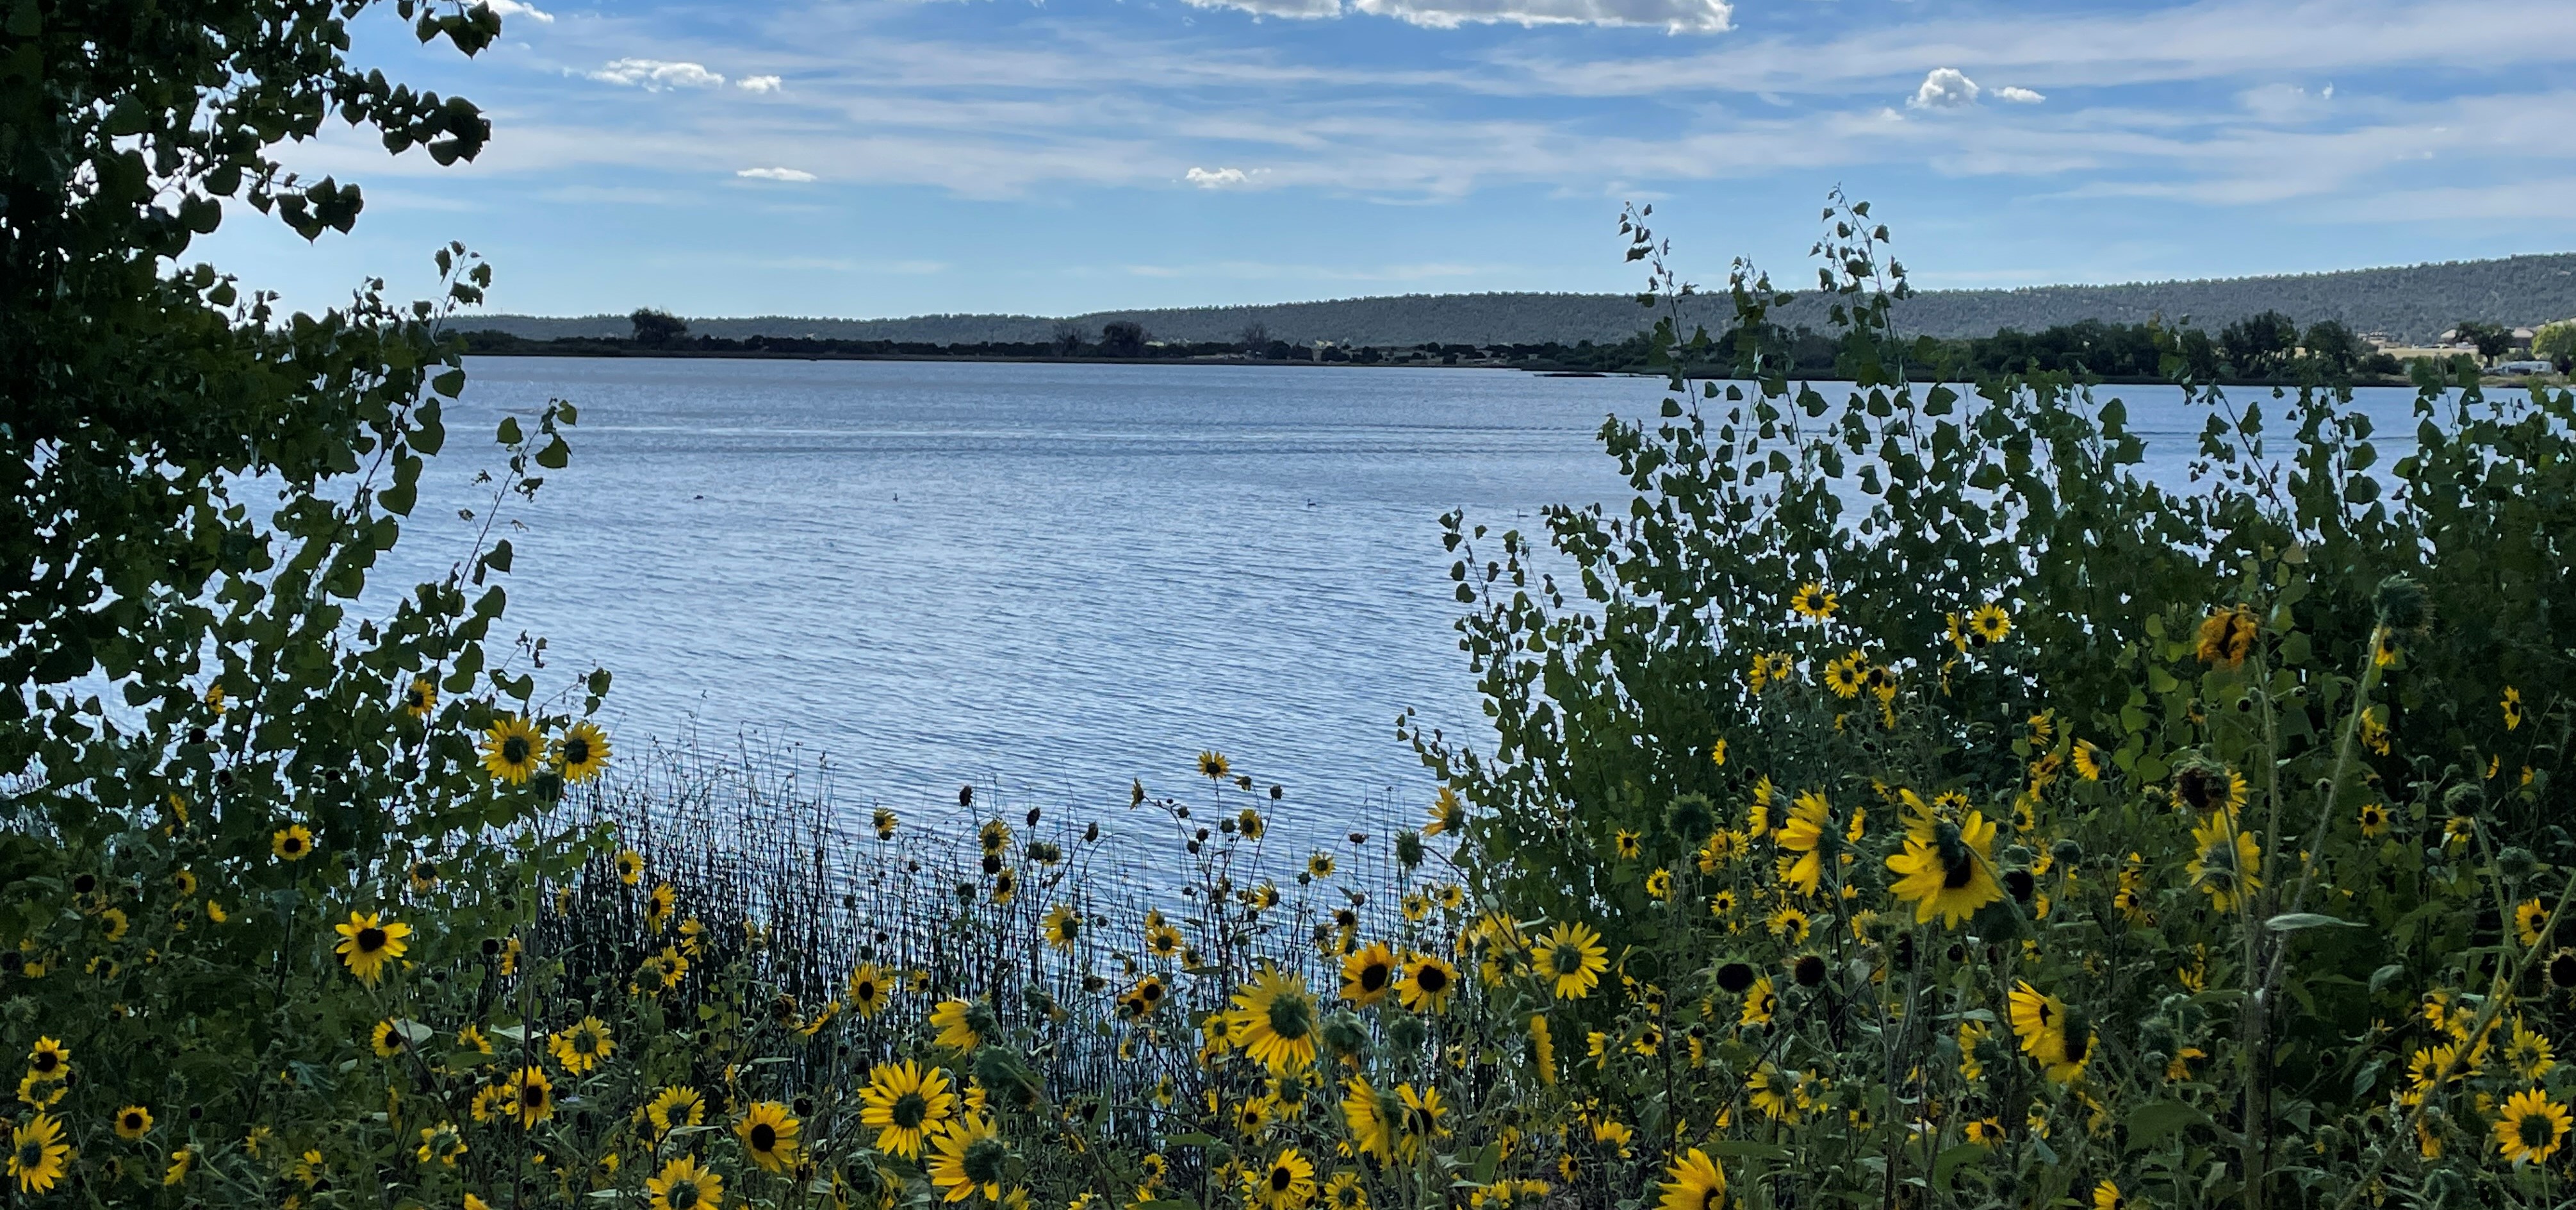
(1897, 801)
(2264, 350)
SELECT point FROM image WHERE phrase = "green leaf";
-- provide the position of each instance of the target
(1944, 1167)
(508, 434)
(2291, 922)
(2151, 1124)
(1746, 1149)
(450, 384)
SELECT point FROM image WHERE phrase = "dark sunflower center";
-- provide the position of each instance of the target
(533, 1096)
(865, 992)
(1956, 872)
(31, 1154)
(294, 844)
(2536, 1130)
(514, 750)
(683, 1195)
(370, 940)
(576, 751)
(134, 1121)
(46, 1061)
(764, 1137)
(984, 1161)
(909, 1110)
(1373, 976)
(2077, 1046)
(1281, 1178)
(1431, 979)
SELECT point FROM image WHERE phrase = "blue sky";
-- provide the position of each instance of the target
(893, 157)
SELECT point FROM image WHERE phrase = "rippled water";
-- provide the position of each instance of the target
(1042, 579)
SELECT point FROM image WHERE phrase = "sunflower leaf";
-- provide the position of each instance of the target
(2291, 922)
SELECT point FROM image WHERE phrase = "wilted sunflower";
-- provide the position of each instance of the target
(1429, 980)
(582, 1046)
(673, 1108)
(1274, 1020)
(1571, 958)
(367, 943)
(1812, 602)
(682, 1185)
(2530, 1127)
(968, 1158)
(510, 749)
(768, 1134)
(293, 842)
(2227, 637)
(1368, 974)
(37, 1153)
(905, 1102)
(1695, 1182)
(1213, 765)
(1946, 870)
(581, 752)
(1287, 1182)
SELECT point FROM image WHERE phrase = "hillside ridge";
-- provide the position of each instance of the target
(2408, 303)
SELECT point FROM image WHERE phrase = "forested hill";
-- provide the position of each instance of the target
(2412, 303)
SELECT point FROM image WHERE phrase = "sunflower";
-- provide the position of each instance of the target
(1213, 766)
(1320, 865)
(2090, 760)
(2059, 1040)
(2512, 705)
(37, 1153)
(1062, 927)
(1448, 815)
(421, 698)
(682, 1185)
(2106, 1196)
(2531, 1127)
(1571, 957)
(2529, 1053)
(48, 1060)
(885, 824)
(1287, 1182)
(1761, 1003)
(1630, 846)
(441, 1144)
(968, 1157)
(510, 749)
(1417, 906)
(673, 1108)
(1275, 1017)
(1142, 999)
(1774, 1093)
(905, 1102)
(1722, 904)
(581, 751)
(367, 943)
(1423, 1120)
(133, 1122)
(532, 1095)
(1803, 833)
(387, 1039)
(1790, 924)
(1697, 1183)
(1843, 676)
(768, 1133)
(955, 1021)
(293, 842)
(1429, 981)
(1659, 885)
(2374, 818)
(2227, 637)
(1946, 870)
(1812, 602)
(1984, 1132)
(1368, 974)
(582, 1046)
(1989, 624)
(1344, 1192)
(2226, 871)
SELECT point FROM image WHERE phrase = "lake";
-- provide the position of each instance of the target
(1042, 579)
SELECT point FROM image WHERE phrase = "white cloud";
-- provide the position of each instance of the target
(776, 174)
(2019, 95)
(514, 8)
(1944, 88)
(1222, 178)
(1673, 16)
(757, 83)
(657, 74)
